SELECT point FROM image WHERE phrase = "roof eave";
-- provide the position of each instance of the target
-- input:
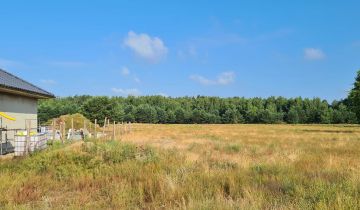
(25, 93)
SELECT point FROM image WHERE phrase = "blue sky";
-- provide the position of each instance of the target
(183, 48)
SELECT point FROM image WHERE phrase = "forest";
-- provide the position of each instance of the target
(207, 110)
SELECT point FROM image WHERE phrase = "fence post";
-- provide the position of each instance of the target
(95, 134)
(114, 130)
(53, 129)
(90, 127)
(1, 142)
(118, 128)
(28, 138)
(64, 131)
(61, 133)
(104, 126)
(72, 129)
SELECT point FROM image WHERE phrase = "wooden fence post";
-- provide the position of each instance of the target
(28, 137)
(118, 129)
(64, 131)
(114, 130)
(104, 126)
(90, 127)
(60, 131)
(53, 129)
(95, 134)
(72, 129)
(108, 132)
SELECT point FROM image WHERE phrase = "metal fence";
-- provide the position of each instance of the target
(21, 142)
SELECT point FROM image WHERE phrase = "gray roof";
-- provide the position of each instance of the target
(10, 81)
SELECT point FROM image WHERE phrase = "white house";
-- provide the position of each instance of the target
(18, 102)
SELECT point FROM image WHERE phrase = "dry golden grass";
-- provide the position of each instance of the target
(193, 167)
(335, 145)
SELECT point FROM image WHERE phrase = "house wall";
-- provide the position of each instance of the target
(19, 107)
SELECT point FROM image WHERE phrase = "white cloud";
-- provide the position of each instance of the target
(149, 48)
(224, 78)
(48, 82)
(125, 71)
(314, 54)
(202, 80)
(132, 91)
(137, 80)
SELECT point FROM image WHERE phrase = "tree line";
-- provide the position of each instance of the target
(201, 109)
(204, 109)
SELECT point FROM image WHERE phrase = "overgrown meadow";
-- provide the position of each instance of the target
(192, 167)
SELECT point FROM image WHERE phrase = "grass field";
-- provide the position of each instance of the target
(193, 167)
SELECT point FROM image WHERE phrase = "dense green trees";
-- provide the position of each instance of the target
(231, 115)
(145, 113)
(49, 109)
(158, 109)
(101, 107)
(354, 96)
